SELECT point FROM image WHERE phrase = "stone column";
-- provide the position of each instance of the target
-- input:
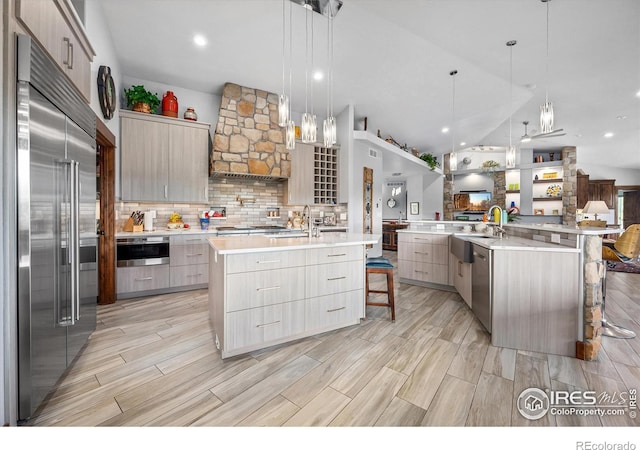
(500, 188)
(593, 271)
(569, 185)
(448, 189)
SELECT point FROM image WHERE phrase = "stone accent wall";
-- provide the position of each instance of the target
(223, 192)
(569, 186)
(247, 137)
(500, 188)
(593, 271)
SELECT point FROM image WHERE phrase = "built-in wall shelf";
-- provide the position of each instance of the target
(548, 180)
(547, 199)
(512, 191)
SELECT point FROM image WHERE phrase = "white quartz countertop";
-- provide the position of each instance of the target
(262, 243)
(594, 231)
(166, 232)
(519, 243)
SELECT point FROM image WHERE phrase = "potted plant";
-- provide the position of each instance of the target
(141, 100)
(432, 161)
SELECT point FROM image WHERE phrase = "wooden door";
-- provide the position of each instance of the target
(105, 141)
(631, 205)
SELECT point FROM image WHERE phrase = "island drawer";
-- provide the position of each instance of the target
(265, 261)
(265, 287)
(333, 310)
(260, 325)
(330, 255)
(324, 279)
(424, 238)
(422, 271)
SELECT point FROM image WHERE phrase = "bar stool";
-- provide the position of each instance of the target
(384, 266)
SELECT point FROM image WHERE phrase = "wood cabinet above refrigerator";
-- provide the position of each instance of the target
(58, 29)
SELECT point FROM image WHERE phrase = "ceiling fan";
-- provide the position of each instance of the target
(526, 137)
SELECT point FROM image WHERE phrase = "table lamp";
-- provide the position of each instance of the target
(596, 207)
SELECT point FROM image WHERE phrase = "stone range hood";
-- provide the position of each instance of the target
(248, 142)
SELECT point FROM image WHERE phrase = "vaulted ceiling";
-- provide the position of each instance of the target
(392, 61)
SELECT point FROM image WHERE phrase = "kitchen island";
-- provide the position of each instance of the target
(541, 290)
(266, 290)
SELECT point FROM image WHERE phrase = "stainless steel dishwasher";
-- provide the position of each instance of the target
(481, 285)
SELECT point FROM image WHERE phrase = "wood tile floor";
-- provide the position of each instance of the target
(152, 362)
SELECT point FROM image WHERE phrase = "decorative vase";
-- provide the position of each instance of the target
(170, 105)
(190, 114)
(142, 107)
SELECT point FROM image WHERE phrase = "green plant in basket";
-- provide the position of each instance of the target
(142, 100)
(431, 160)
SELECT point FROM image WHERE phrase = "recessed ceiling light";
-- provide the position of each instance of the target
(608, 134)
(317, 75)
(445, 129)
(199, 40)
(578, 135)
(638, 94)
(463, 143)
(621, 117)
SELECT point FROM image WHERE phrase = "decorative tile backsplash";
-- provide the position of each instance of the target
(260, 198)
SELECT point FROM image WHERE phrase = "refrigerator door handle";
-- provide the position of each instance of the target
(76, 242)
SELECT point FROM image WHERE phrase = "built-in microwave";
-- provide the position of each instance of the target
(142, 251)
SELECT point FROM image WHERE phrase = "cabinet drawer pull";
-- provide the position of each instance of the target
(420, 271)
(336, 278)
(338, 254)
(194, 275)
(68, 43)
(195, 254)
(421, 239)
(193, 240)
(267, 324)
(270, 288)
(421, 253)
(336, 309)
(268, 261)
(144, 279)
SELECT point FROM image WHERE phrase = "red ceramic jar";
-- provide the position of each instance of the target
(170, 105)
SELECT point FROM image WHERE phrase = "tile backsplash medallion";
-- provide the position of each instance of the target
(224, 192)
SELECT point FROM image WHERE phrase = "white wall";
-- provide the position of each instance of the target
(432, 197)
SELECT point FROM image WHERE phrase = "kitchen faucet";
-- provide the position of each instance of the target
(499, 231)
(306, 214)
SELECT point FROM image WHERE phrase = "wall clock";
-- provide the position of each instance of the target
(106, 92)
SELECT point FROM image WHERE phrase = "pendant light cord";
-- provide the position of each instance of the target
(283, 42)
(453, 111)
(306, 60)
(546, 96)
(311, 63)
(290, 61)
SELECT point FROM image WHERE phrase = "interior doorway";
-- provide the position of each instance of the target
(628, 205)
(105, 179)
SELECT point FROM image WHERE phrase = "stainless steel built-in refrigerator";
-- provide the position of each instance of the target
(57, 242)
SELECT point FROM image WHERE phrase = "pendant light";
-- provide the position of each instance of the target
(329, 126)
(511, 150)
(546, 109)
(453, 157)
(290, 131)
(309, 128)
(283, 99)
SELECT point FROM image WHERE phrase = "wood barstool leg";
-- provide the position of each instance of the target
(390, 294)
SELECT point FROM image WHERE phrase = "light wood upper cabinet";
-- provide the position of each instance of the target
(300, 183)
(56, 27)
(163, 159)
